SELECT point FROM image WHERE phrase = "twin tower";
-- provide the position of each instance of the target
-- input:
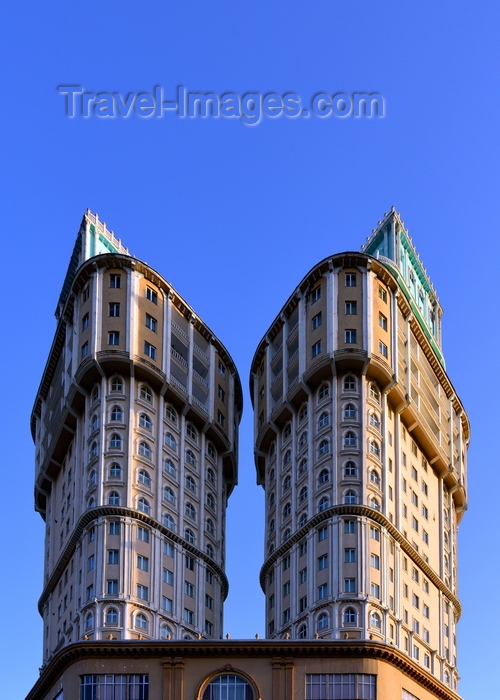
(360, 446)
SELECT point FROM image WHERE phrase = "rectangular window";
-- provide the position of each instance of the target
(114, 338)
(168, 577)
(375, 561)
(221, 393)
(209, 628)
(286, 562)
(189, 589)
(189, 561)
(142, 563)
(142, 592)
(85, 322)
(303, 575)
(119, 686)
(113, 556)
(341, 685)
(303, 548)
(316, 294)
(222, 369)
(322, 533)
(221, 419)
(416, 601)
(316, 349)
(350, 336)
(152, 295)
(382, 294)
(322, 591)
(286, 616)
(114, 309)
(383, 350)
(375, 590)
(151, 323)
(209, 602)
(92, 534)
(350, 279)
(424, 488)
(286, 589)
(323, 562)
(143, 534)
(114, 527)
(112, 587)
(271, 601)
(382, 321)
(375, 533)
(115, 281)
(167, 604)
(85, 294)
(416, 626)
(149, 350)
(317, 321)
(168, 548)
(209, 577)
(349, 556)
(349, 585)
(302, 604)
(351, 308)
(85, 349)
(349, 527)
(426, 611)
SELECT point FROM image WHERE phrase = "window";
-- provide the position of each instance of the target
(169, 467)
(145, 421)
(316, 349)
(302, 466)
(117, 384)
(286, 589)
(229, 687)
(323, 504)
(114, 309)
(351, 308)
(350, 336)
(191, 458)
(114, 498)
(349, 527)
(152, 295)
(316, 294)
(375, 621)
(115, 281)
(324, 447)
(322, 591)
(221, 419)
(416, 601)
(189, 562)
(115, 442)
(349, 383)
(324, 420)
(191, 432)
(287, 510)
(302, 628)
(375, 590)
(142, 592)
(189, 535)
(116, 413)
(142, 563)
(382, 293)
(374, 533)
(375, 561)
(85, 294)
(170, 441)
(303, 440)
(286, 562)
(349, 585)
(188, 616)
(145, 394)
(90, 562)
(143, 506)
(210, 501)
(350, 279)
(350, 469)
(322, 533)
(144, 477)
(374, 477)
(349, 616)
(322, 621)
(222, 394)
(350, 498)
(349, 411)
(303, 494)
(112, 613)
(168, 549)
(85, 322)
(188, 589)
(287, 482)
(303, 575)
(190, 510)
(113, 556)
(168, 577)
(350, 439)
(145, 450)
(374, 393)
(324, 476)
(113, 338)
(149, 350)
(210, 527)
(222, 369)
(190, 483)
(151, 323)
(317, 321)
(85, 349)
(383, 350)
(114, 527)
(142, 534)
(374, 448)
(349, 556)
(382, 321)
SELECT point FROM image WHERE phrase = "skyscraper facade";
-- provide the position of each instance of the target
(360, 445)
(136, 427)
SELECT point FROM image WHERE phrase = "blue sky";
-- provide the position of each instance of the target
(235, 215)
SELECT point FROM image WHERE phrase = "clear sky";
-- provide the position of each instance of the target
(235, 215)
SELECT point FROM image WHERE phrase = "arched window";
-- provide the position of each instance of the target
(144, 449)
(375, 620)
(169, 522)
(116, 413)
(169, 467)
(375, 477)
(94, 449)
(349, 616)
(303, 466)
(323, 504)
(350, 469)
(190, 483)
(228, 687)
(303, 494)
(144, 477)
(303, 632)
(170, 441)
(115, 442)
(210, 526)
(111, 616)
(95, 394)
(287, 431)
(350, 498)
(189, 510)
(323, 420)
(191, 458)
(373, 503)
(95, 423)
(145, 421)
(92, 502)
(89, 621)
(287, 510)
(303, 520)
(349, 383)
(170, 413)
(349, 411)
(287, 482)
(168, 494)
(141, 621)
(272, 449)
(287, 458)
(211, 451)
(146, 394)
(165, 632)
(272, 526)
(211, 476)
(303, 412)
(115, 470)
(209, 550)
(114, 498)
(350, 439)
(191, 432)
(374, 393)
(117, 385)
(92, 477)
(272, 499)
(189, 535)
(374, 448)
(303, 440)
(375, 421)
(322, 623)
(210, 501)
(287, 534)
(143, 506)
(324, 391)
(324, 447)
(324, 476)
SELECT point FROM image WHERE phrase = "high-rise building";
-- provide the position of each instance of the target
(360, 444)
(135, 425)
